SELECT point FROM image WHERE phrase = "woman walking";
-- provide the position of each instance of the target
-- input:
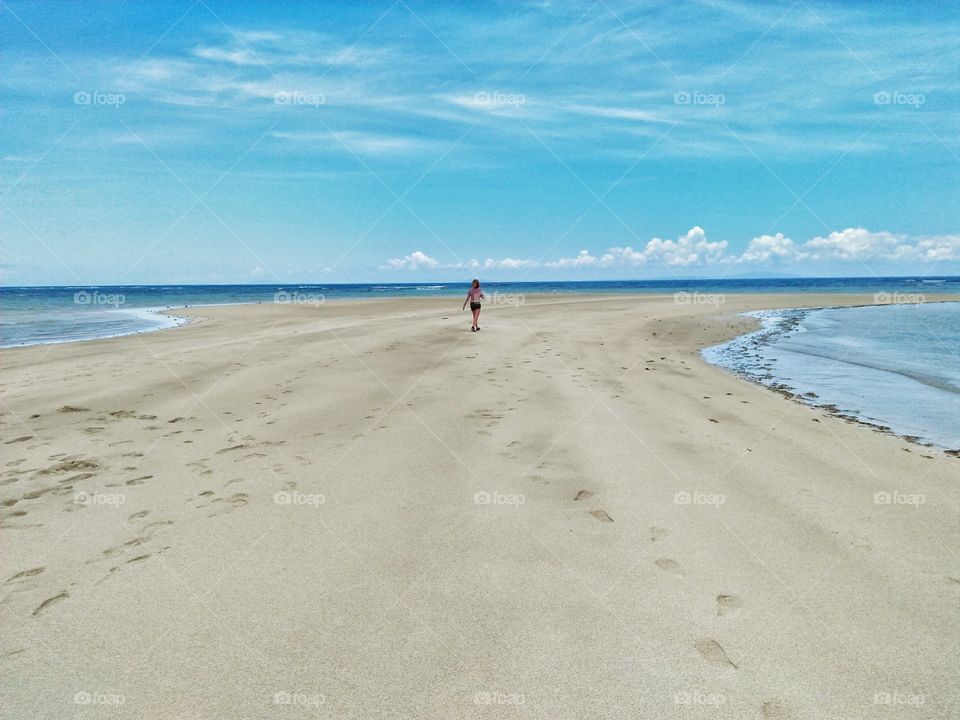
(474, 296)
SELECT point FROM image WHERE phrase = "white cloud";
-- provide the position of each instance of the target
(694, 250)
(691, 249)
(234, 57)
(583, 259)
(854, 244)
(937, 248)
(416, 260)
(361, 143)
(507, 263)
(766, 248)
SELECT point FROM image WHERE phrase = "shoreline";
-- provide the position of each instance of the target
(559, 296)
(785, 321)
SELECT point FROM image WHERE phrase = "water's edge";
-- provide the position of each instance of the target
(740, 356)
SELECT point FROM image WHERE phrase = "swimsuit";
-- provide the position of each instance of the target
(474, 294)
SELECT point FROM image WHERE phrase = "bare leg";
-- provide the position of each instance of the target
(476, 318)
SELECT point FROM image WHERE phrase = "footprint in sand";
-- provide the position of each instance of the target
(139, 515)
(234, 502)
(656, 533)
(727, 604)
(774, 710)
(23, 574)
(46, 604)
(670, 566)
(148, 530)
(601, 515)
(713, 652)
(583, 495)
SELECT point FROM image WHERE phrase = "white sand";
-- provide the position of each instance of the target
(399, 596)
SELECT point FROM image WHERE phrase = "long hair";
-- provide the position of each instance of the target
(475, 283)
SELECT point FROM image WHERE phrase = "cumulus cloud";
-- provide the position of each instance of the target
(767, 248)
(583, 259)
(693, 249)
(506, 263)
(855, 244)
(414, 261)
(937, 248)
(690, 249)
(418, 260)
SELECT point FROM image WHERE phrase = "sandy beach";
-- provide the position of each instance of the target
(363, 510)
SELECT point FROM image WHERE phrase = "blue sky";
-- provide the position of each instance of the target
(214, 141)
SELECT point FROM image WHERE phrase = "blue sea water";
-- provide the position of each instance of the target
(895, 365)
(35, 315)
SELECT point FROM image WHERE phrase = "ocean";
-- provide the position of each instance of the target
(896, 365)
(37, 315)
